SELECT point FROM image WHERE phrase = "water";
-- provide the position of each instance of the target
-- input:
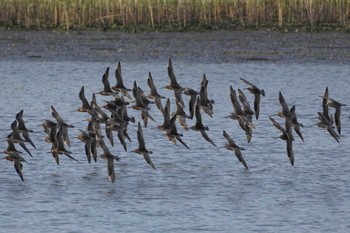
(204, 189)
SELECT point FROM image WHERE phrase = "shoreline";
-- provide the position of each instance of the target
(204, 47)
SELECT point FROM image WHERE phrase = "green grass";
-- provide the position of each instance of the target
(174, 15)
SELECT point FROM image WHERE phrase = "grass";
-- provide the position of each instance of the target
(174, 15)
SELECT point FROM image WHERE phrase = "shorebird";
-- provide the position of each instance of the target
(245, 104)
(50, 128)
(193, 97)
(123, 112)
(140, 105)
(326, 120)
(257, 93)
(12, 154)
(120, 84)
(244, 120)
(285, 113)
(328, 124)
(337, 106)
(10, 147)
(97, 114)
(144, 98)
(93, 130)
(295, 124)
(233, 146)
(324, 103)
(21, 125)
(205, 103)
(174, 85)
(285, 136)
(285, 109)
(166, 117)
(15, 137)
(110, 159)
(62, 124)
(154, 93)
(59, 120)
(58, 147)
(106, 85)
(172, 133)
(181, 115)
(23, 129)
(85, 104)
(199, 125)
(86, 139)
(117, 123)
(17, 160)
(142, 147)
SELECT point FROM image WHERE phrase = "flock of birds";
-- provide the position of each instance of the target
(113, 118)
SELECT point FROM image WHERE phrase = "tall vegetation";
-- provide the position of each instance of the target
(173, 14)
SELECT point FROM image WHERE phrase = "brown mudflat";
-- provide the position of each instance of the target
(207, 47)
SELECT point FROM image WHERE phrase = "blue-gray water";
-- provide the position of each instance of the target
(204, 189)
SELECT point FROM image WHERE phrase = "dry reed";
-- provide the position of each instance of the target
(173, 14)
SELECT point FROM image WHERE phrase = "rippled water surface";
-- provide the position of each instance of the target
(204, 189)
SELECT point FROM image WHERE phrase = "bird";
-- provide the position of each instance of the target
(154, 93)
(244, 120)
(295, 124)
(106, 85)
(97, 114)
(285, 109)
(285, 136)
(245, 104)
(285, 113)
(199, 125)
(257, 93)
(166, 117)
(172, 133)
(93, 132)
(326, 120)
(58, 147)
(180, 112)
(85, 104)
(328, 124)
(50, 128)
(174, 85)
(10, 146)
(17, 160)
(142, 147)
(140, 105)
(20, 122)
(144, 97)
(205, 103)
(324, 103)
(193, 97)
(15, 136)
(23, 129)
(231, 145)
(85, 138)
(58, 118)
(117, 123)
(123, 112)
(62, 125)
(120, 84)
(337, 106)
(107, 155)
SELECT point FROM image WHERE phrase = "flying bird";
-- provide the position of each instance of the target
(257, 93)
(231, 145)
(142, 147)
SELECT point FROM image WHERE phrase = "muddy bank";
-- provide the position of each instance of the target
(207, 47)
